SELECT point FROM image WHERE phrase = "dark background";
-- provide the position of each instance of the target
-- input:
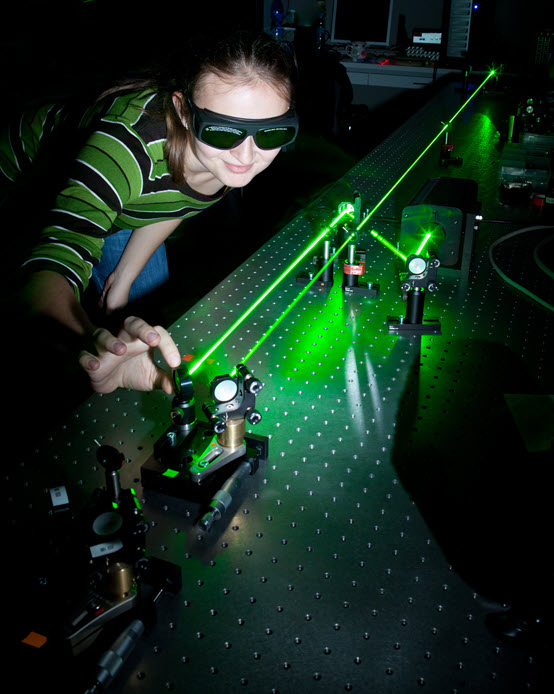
(74, 48)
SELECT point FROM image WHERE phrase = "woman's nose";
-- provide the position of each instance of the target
(244, 153)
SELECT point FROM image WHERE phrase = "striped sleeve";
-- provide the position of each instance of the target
(20, 141)
(117, 179)
(107, 173)
(68, 254)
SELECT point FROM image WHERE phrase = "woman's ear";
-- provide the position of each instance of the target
(179, 104)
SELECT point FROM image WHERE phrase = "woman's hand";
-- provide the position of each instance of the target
(126, 361)
(140, 247)
(115, 294)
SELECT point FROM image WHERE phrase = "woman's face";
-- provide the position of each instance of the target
(235, 167)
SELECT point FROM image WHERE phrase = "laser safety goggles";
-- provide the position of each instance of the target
(226, 132)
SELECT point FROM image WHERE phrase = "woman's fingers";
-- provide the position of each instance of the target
(102, 342)
(168, 348)
(137, 328)
(127, 361)
(154, 337)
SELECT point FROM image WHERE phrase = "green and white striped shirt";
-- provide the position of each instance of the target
(119, 180)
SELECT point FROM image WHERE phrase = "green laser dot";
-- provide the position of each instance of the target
(171, 473)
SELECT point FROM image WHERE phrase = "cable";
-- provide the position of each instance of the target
(539, 262)
(511, 282)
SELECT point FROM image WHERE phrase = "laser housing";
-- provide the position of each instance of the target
(447, 209)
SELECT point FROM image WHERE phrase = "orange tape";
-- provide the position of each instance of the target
(35, 640)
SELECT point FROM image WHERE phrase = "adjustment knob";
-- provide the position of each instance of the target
(253, 417)
(219, 425)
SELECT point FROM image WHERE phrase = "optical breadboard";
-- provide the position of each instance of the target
(402, 499)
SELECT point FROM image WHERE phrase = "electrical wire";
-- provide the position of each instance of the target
(505, 277)
(538, 261)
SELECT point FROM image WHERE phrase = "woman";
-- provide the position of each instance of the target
(163, 149)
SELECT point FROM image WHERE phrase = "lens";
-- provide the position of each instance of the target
(222, 136)
(278, 136)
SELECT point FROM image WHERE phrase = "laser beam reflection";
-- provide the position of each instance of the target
(375, 394)
(289, 308)
(354, 391)
(345, 212)
(268, 291)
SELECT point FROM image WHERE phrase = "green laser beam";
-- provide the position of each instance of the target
(446, 126)
(258, 301)
(388, 245)
(423, 243)
(289, 308)
(345, 212)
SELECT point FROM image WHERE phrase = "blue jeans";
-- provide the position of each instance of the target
(154, 274)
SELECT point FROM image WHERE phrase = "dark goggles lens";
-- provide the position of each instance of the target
(225, 132)
(276, 136)
(228, 137)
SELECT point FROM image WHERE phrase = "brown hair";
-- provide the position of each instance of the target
(242, 57)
